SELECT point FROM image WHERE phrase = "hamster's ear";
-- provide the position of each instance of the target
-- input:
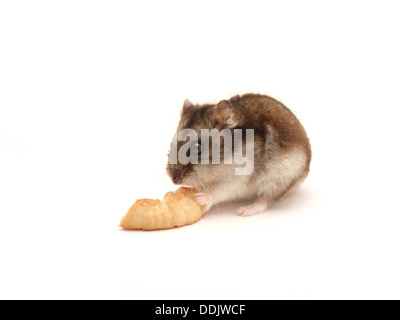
(222, 113)
(187, 104)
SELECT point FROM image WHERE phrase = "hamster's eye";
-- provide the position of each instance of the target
(196, 148)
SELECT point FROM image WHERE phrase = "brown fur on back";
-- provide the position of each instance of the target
(260, 112)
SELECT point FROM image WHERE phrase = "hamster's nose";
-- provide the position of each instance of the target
(177, 180)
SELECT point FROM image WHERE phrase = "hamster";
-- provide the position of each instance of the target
(279, 161)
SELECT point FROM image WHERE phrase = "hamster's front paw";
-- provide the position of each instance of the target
(205, 200)
(251, 210)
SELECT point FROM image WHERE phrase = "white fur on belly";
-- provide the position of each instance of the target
(280, 172)
(234, 189)
(275, 178)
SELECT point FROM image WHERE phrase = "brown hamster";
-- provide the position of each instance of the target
(279, 161)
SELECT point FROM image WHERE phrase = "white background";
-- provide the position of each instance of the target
(90, 93)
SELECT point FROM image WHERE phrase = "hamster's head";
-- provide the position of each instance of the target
(190, 159)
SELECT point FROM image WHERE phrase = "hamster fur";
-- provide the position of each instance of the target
(282, 153)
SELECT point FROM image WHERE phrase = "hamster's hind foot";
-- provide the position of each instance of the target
(252, 209)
